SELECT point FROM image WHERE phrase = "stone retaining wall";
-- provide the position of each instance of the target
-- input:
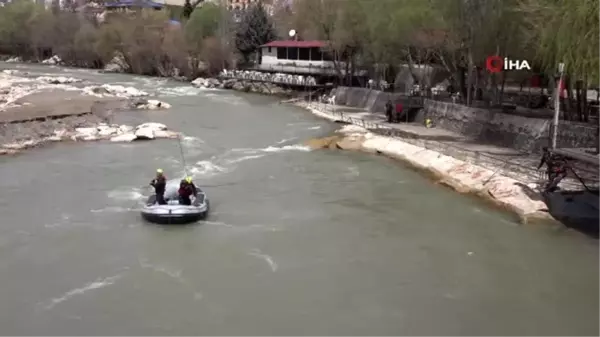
(371, 100)
(518, 132)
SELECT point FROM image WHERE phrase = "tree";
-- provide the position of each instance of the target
(203, 23)
(17, 21)
(401, 31)
(567, 32)
(341, 24)
(203, 33)
(253, 30)
(187, 9)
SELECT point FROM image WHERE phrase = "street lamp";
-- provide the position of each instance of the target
(561, 69)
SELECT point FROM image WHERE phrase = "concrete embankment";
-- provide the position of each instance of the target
(521, 198)
(519, 129)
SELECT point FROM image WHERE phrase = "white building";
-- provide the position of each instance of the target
(289, 56)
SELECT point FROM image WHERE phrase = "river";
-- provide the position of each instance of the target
(298, 243)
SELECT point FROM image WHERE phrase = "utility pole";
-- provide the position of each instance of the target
(561, 68)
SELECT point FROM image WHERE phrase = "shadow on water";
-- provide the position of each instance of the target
(576, 210)
(175, 227)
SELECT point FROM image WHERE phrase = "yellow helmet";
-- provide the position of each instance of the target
(160, 171)
(188, 179)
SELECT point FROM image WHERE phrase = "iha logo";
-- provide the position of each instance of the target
(496, 64)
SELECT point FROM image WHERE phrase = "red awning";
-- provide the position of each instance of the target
(296, 44)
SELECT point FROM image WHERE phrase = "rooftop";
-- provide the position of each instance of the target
(133, 3)
(296, 44)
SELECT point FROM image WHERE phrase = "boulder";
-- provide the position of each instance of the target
(99, 90)
(276, 90)
(13, 146)
(144, 133)
(58, 80)
(116, 65)
(350, 143)
(228, 84)
(121, 91)
(21, 145)
(165, 134)
(125, 129)
(199, 82)
(240, 86)
(7, 151)
(53, 60)
(126, 137)
(60, 133)
(105, 131)
(152, 104)
(212, 83)
(14, 60)
(323, 143)
(53, 139)
(153, 126)
(86, 132)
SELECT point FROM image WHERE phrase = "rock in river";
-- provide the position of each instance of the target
(127, 137)
(151, 104)
(144, 133)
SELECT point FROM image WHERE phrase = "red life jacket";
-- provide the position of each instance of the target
(186, 189)
(535, 81)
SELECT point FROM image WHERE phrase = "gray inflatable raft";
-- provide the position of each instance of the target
(175, 213)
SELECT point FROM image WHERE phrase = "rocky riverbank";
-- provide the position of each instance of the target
(243, 85)
(37, 111)
(276, 84)
(523, 200)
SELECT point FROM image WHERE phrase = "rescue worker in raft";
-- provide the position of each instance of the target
(556, 168)
(159, 183)
(186, 190)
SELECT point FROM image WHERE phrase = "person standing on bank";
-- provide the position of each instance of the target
(556, 168)
(398, 115)
(389, 110)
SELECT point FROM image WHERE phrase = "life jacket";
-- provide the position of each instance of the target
(186, 189)
(535, 81)
(557, 163)
(160, 182)
(398, 107)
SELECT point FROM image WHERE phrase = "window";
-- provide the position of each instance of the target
(282, 53)
(292, 53)
(315, 54)
(269, 50)
(304, 54)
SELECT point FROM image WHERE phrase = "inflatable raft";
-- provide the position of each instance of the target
(173, 212)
